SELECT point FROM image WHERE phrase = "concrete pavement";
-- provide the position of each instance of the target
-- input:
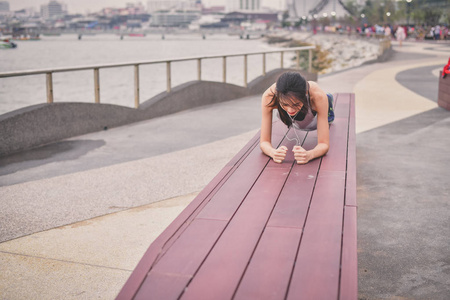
(78, 215)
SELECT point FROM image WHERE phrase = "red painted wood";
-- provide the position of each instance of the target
(268, 274)
(178, 225)
(172, 231)
(242, 154)
(336, 158)
(316, 274)
(265, 205)
(342, 108)
(162, 286)
(350, 190)
(349, 260)
(232, 193)
(168, 278)
(293, 204)
(233, 250)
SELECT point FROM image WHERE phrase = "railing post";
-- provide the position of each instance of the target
(282, 58)
(49, 87)
(224, 63)
(264, 64)
(310, 60)
(245, 70)
(169, 79)
(136, 86)
(298, 60)
(199, 69)
(97, 85)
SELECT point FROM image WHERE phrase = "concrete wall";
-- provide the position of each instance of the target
(42, 124)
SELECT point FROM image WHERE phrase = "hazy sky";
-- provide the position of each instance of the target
(82, 6)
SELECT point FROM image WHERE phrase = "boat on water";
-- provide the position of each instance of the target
(7, 44)
(137, 34)
(26, 38)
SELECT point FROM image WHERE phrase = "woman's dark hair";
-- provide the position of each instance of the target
(291, 88)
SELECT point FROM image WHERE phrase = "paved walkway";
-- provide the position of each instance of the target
(78, 215)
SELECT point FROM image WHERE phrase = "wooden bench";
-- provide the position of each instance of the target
(261, 230)
(444, 92)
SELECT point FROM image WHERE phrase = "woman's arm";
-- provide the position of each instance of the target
(265, 141)
(320, 104)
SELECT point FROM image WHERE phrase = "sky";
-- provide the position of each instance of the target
(83, 6)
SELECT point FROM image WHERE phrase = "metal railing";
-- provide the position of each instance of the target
(96, 68)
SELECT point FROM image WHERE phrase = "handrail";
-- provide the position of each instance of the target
(96, 68)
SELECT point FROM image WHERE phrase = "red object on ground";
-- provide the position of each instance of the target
(446, 69)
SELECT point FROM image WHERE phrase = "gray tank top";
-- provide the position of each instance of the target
(309, 122)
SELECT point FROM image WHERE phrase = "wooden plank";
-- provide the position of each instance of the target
(268, 274)
(170, 275)
(342, 107)
(233, 250)
(179, 224)
(226, 201)
(336, 158)
(293, 204)
(316, 273)
(349, 260)
(172, 231)
(350, 189)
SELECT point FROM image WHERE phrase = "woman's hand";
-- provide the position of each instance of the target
(279, 154)
(301, 155)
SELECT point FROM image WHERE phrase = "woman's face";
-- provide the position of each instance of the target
(291, 107)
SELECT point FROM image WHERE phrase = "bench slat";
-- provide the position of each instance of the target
(172, 272)
(269, 272)
(292, 206)
(317, 271)
(238, 241)
(316, 275)
(349, 270)
(229, 197)
(178, 225)
(350, 191)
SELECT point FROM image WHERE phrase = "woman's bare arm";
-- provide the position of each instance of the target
(265, 142)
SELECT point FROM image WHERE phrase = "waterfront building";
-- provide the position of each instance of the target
(158, 5)
(4, 6)
(243, 5)
(237, 18)
(174, 18)
(52, 10)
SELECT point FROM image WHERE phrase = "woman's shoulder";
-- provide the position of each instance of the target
(314, 89)
(271, 90)
(317, 95)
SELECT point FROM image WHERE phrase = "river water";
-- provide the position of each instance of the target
(117, 84)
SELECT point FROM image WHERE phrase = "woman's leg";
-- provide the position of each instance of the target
(330, 108)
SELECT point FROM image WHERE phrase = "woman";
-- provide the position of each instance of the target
(303, 104)
(400, 34)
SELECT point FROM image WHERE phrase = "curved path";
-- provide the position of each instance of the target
(78, 215)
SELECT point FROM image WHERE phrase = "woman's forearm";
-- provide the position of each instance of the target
(320, 150)
(267, 148)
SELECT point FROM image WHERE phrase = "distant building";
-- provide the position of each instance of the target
(237, 18)
(174, 18)
(157, 5)
(4, 6)
(243, 5)
(52, 10)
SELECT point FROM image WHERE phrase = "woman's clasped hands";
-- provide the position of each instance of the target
(300, 154)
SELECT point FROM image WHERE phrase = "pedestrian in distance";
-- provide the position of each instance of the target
(304, 106)
(400, 34)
